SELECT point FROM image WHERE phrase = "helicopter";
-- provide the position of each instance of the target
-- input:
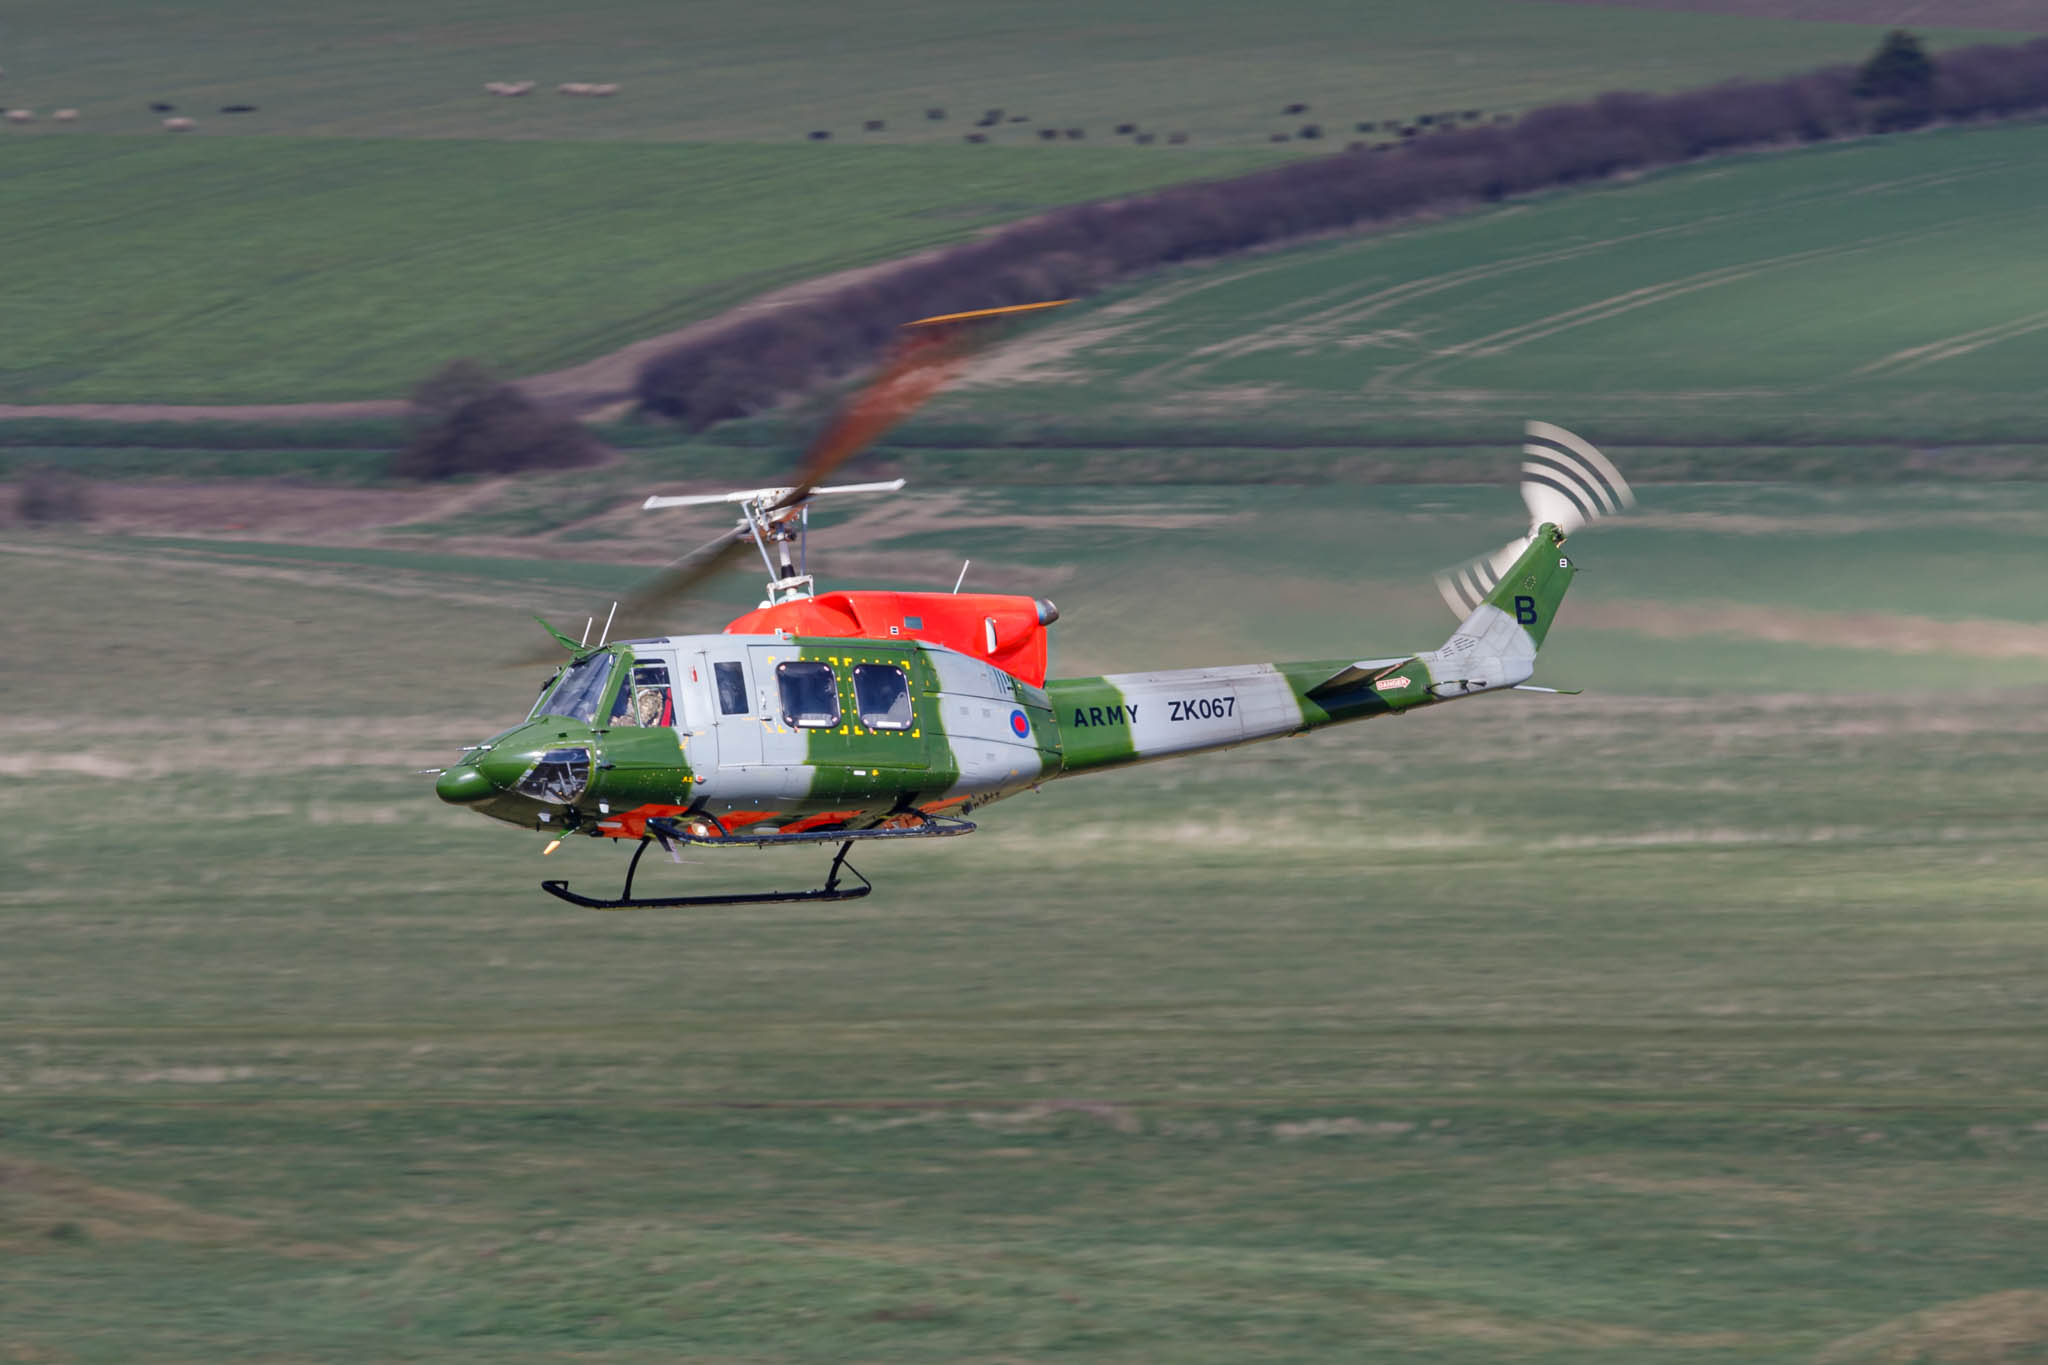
(847, 717)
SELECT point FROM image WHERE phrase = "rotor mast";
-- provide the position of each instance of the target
(778, 520)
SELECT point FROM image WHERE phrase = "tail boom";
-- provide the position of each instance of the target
(1120, 719)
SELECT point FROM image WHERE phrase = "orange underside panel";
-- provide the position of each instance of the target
(959, 621)
(632, 824)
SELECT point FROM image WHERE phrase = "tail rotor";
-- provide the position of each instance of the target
(1565, 481)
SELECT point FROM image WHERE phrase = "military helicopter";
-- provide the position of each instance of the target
(844, 717)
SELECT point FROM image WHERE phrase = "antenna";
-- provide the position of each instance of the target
(607, 625)
(588, 622)
(963, 576)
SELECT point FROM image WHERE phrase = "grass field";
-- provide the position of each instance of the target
(272, 269)
(380, 215)
(1693, 1019)
(773, 72)
(1881, 292)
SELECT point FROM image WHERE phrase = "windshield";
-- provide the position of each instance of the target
(580, 690)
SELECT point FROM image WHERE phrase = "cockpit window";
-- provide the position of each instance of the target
(648, 700)
(810, 694)
(580, 691)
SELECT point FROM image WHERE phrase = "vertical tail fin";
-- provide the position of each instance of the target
(1495, 645)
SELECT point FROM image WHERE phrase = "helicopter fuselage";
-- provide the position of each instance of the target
(754, 739)
(803, 734)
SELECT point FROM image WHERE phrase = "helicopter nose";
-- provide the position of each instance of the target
(463, 785)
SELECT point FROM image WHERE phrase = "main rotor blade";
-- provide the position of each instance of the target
(931, 352)
(642, 611)
(639, 613)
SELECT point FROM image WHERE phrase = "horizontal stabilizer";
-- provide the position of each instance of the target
(1356, 675)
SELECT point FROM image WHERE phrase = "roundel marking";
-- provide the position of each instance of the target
(1020, 725)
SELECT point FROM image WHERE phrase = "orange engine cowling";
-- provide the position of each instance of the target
(1007, 631)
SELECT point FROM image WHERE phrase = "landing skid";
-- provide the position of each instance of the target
(668, 833)
(830, 891)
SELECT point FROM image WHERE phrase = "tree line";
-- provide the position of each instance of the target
(1076, 251)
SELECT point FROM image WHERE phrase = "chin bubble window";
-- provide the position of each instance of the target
(810, 694)
(882, 693)
(559, 777)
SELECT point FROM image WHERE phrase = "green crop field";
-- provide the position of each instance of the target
(1874, 292)
(1692, 1019)
(379, 214)
(775, 71)
(281, 270)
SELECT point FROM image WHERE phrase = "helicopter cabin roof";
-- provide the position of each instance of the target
(1007, 631)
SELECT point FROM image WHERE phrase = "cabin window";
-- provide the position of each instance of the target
(732, 689)
(810, 694)
(882, 694)
(580, 691)
(647, 701)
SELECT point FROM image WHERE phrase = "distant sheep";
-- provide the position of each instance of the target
(1076, 134)
(603, 89)
(1310, 132)
(820, 134)
(66, 116)
(1363, 127)
(510, 89)
(873, 125)
(1048, 134)
(238, 108)
(1280, 137)
(21, 116)
(159, 107)
(1126, 129)
(977, 137)
(573, 88)
(1143, 139)
(1020, 118)
(179, 125)
(935, 114)
(1295, 109)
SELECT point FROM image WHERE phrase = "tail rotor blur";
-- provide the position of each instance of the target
(1566, 481)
